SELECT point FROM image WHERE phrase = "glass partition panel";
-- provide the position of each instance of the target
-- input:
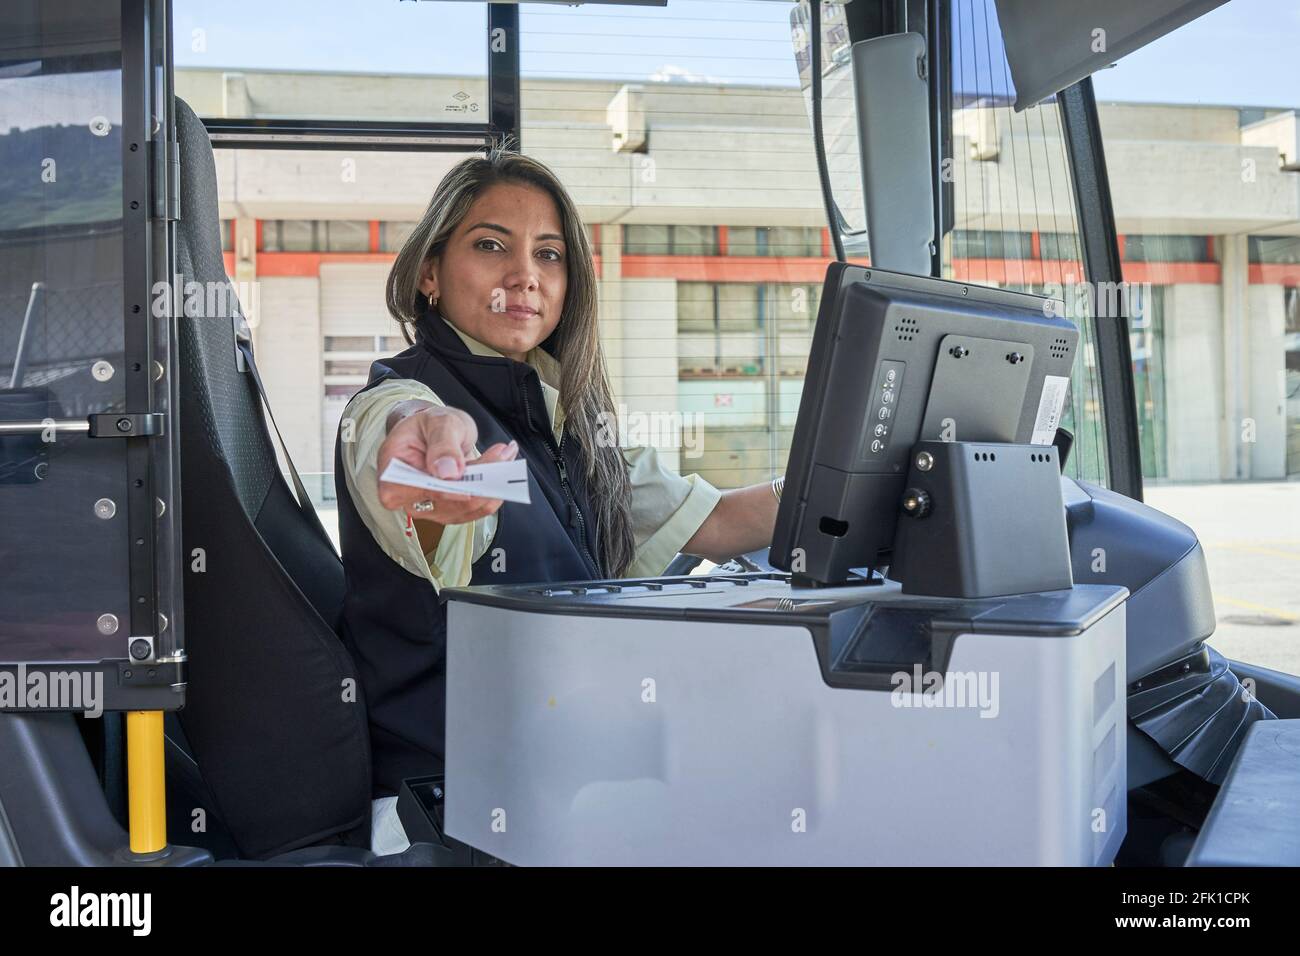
(63, 539)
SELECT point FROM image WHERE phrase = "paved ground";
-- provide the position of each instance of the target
(1251, 535)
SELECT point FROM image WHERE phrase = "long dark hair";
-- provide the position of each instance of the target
(584, 383)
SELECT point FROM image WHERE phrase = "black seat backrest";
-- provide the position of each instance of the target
(273, 708)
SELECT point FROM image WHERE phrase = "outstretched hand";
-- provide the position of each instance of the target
(437, 441)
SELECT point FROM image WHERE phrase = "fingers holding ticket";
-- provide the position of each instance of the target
(506, 480)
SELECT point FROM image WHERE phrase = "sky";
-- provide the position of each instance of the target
(1243, 53)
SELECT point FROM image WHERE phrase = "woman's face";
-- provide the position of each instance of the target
(502, 277)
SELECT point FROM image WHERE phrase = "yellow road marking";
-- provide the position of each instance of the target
(1252, 606)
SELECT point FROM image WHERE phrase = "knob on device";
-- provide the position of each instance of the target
(916, 502)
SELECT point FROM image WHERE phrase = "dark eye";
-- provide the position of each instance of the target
(479, 244)
(556, 253)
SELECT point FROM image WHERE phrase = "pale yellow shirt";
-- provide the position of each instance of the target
(667, 508)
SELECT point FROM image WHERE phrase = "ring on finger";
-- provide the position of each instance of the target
(423, 506)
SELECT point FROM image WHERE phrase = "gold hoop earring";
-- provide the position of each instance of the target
(433, 300)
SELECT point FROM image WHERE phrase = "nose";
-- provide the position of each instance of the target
(522, 274)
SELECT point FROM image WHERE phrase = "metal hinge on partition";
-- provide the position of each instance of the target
(167, 170)
(173, 182)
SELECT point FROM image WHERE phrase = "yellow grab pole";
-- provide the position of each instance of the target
(147, 795)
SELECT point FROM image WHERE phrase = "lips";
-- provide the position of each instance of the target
(521, 310)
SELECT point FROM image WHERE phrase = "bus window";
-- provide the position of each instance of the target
(1010, 215)
(1207, 204)
(693, 168)
(683, 130)
(312, 236)
(418, 62)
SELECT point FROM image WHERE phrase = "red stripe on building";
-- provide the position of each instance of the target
(1174, 273)
(1037, 272)
(1275, 273)
(374, 235)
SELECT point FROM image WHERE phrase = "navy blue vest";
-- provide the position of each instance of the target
(393, 622)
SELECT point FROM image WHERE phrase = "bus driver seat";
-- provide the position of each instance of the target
(274, 715)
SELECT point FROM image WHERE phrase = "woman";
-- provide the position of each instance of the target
(495, 290)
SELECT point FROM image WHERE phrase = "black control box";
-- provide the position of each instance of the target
(981, 519)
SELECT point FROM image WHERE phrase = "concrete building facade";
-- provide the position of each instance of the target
(709, 236)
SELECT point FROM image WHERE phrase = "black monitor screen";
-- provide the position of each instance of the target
(896, 359)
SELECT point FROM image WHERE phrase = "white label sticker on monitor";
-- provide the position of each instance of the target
(1050, 404)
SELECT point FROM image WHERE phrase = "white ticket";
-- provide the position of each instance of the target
(507, 480)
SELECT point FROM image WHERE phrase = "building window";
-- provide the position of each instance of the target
(1147, 349)
(349, 343)
(345, 235)
(315, 235)
(794, 241)
(794, 307)
(1281, 250)
(227, 235)
(697, 307)
(1142, 248)
(376, 345)
(1291, 342)
(802, 241)
(694, 240)
(647, 240)
(985, 244)
(347, 358)
(1062, 246)
(348, 367)
(670, 240)
(742, 307)
(288, 235)
(719, 328)
(739, 306)
(744, 329)
(393, 235)
(687, 240)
